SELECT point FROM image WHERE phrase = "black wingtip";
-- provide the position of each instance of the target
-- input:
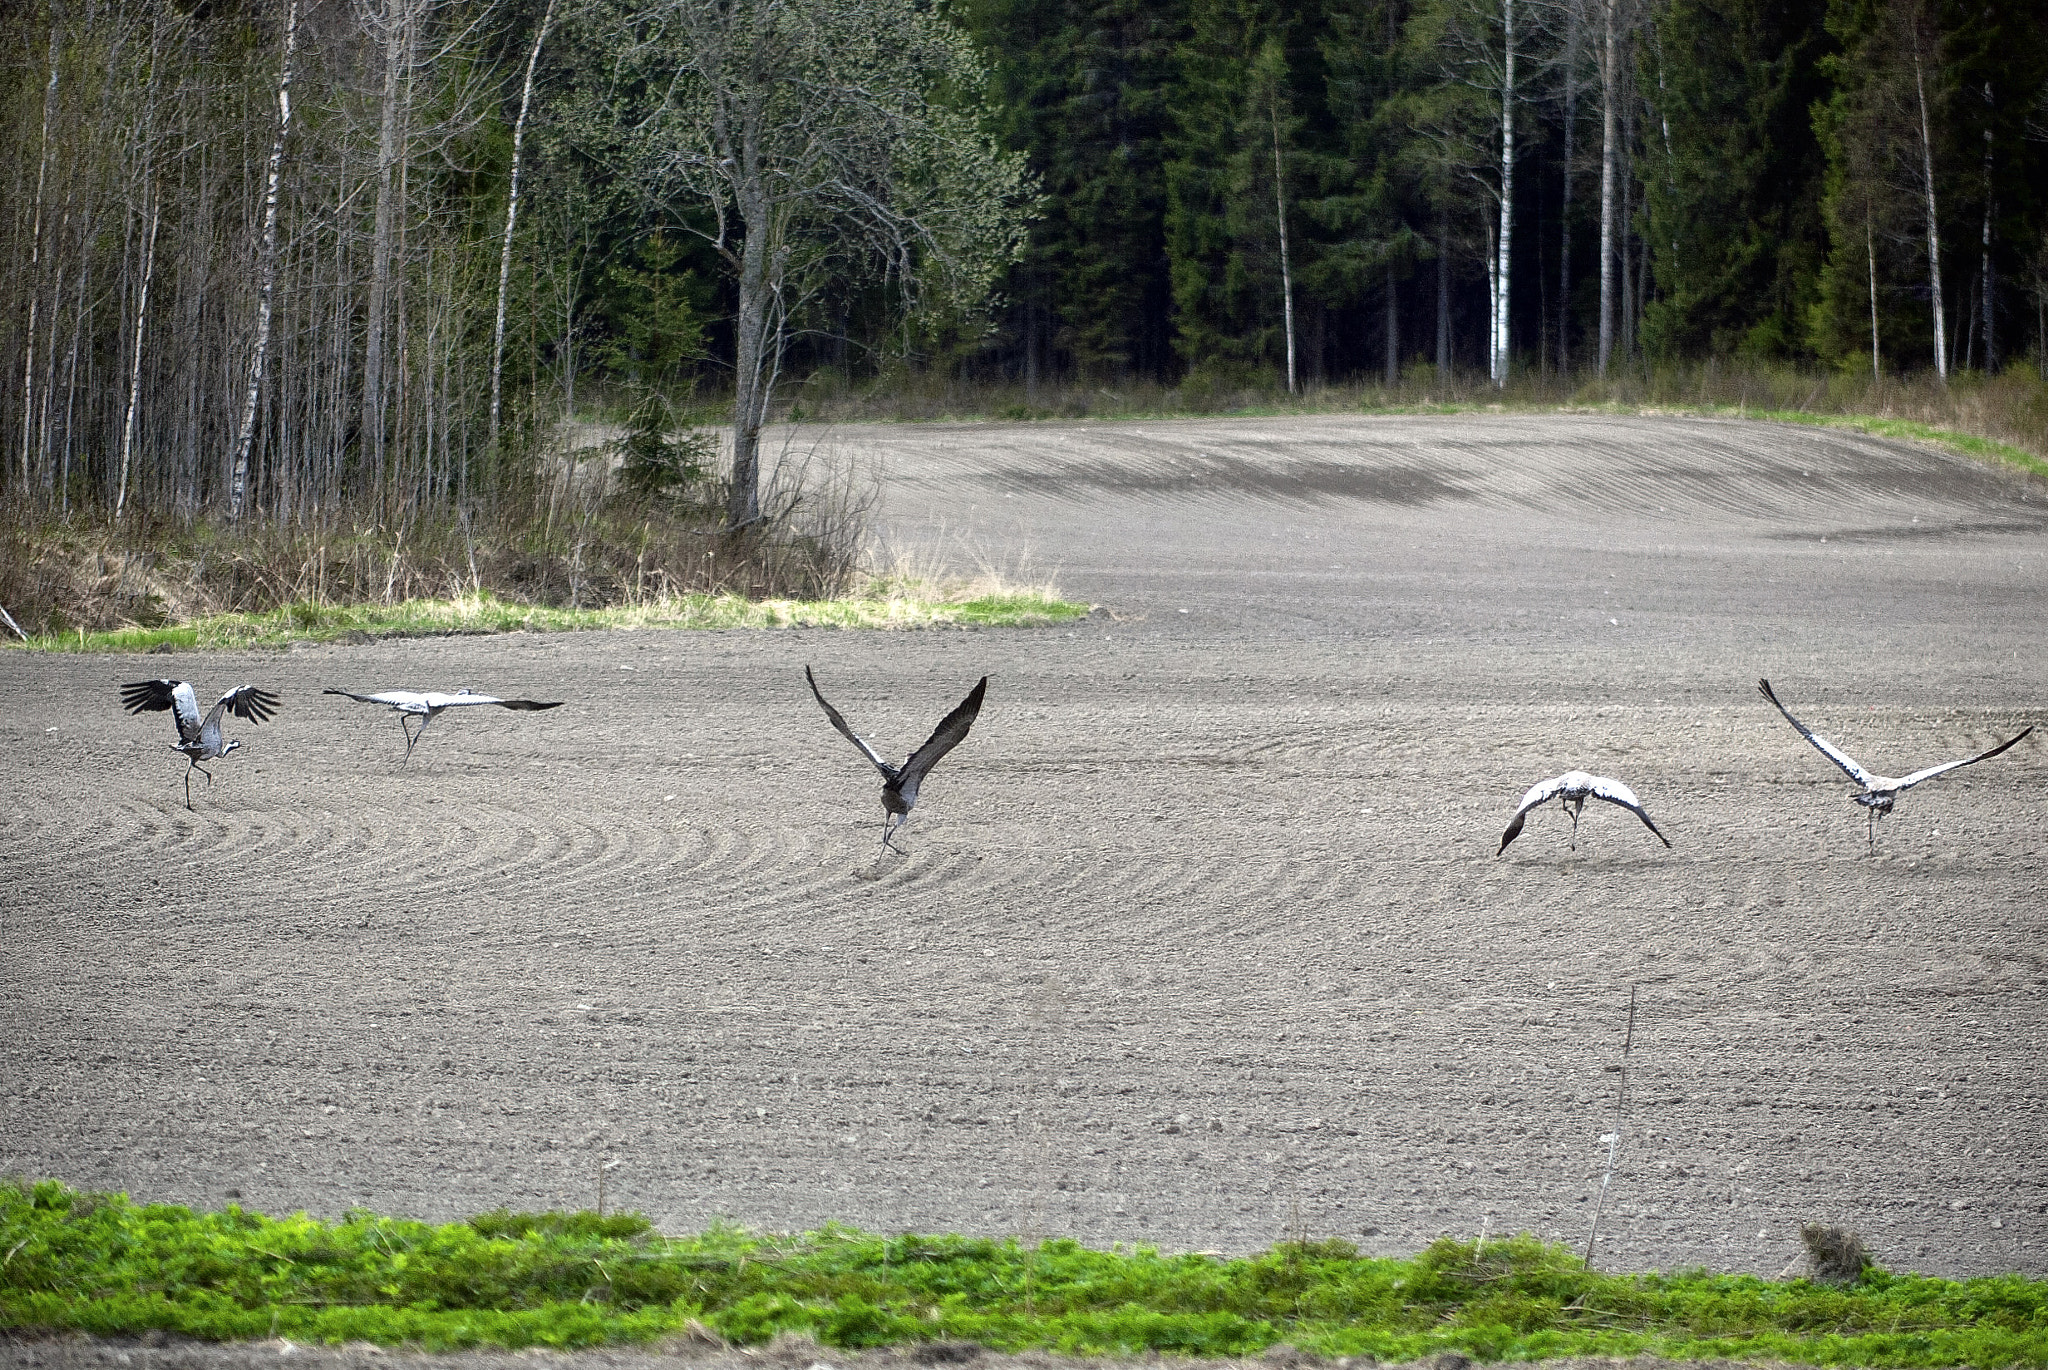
(147, 696)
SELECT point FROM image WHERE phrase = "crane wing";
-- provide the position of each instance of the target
(1827, 749)
(1932, 771)
(1614, 792)
(246, 701)
(397, 699)
(1538, 794)
(154, 696)
(437, 701)
(946, 736)
(888, 771)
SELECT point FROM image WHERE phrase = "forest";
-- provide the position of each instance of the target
(311, 260)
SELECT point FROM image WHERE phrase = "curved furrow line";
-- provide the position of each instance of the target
(77, 836)
(724, 877)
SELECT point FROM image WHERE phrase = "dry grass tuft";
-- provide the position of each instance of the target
(1836, 1255)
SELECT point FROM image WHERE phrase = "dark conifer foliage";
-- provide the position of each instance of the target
(1735, 220)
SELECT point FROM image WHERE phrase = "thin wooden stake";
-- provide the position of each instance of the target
(1613, 1139)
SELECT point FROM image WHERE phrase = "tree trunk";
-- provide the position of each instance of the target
(397, 26)
(266, 268)
(1286, 267)
(1990, 296)
(512, 221)
(1393, 329)
(750, 362)
(1503, 277)
(1564, 213)
(1608, 154)
(135, 364)
(1933, 216)
(1030, 344)
(1443, 307)
(1624, 231)
(1870, 251)
(35, 252)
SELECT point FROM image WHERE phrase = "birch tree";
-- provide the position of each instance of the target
(825, 141)
(1468, 118)
(1615, 29)
(1269, 101)
(1882, 200)
(1909, 18)
(540, 36)
(266, 267)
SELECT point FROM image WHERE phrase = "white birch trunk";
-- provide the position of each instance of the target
(1987, 276)
(1933, 217)
(135, 364)
(1870, 251)
(397, 27)
(1503, 277)
(238, 483)
(1286, 267)
(1564, 214)
(35, 251)
(511, 222)
(1608, 152)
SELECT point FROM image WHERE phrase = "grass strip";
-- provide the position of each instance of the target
(307, 621)
(101, 1264)
(1969, 444)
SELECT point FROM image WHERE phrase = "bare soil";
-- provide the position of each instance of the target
(784, 1353)
(1202, 941)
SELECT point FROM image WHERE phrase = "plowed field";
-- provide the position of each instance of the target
(1202, 940)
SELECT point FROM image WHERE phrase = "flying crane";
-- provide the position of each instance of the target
(900, 783)
(1880, 792)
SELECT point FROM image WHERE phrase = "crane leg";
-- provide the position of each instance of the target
(891, 825)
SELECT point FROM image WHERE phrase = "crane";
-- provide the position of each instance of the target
(900, 783)
(1880, 792)
(426, 707)
(1572, 790)
(198, 738)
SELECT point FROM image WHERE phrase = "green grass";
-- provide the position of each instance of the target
(1967, 443)
(101, 1264)
(306, 621)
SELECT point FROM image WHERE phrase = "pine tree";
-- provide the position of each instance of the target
(1736, 233)
(1082, 89)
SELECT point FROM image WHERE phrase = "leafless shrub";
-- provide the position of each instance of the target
(583, 540)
